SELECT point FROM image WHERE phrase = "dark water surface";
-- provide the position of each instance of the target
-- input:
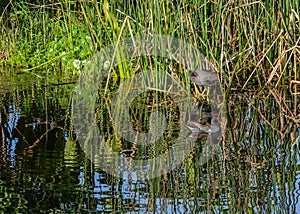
(43, 169)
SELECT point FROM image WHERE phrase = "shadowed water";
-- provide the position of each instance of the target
(255, 168)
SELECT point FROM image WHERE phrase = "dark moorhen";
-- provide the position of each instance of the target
(198, 127)
(205, 78)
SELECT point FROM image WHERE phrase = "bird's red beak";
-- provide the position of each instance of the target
(194, 74)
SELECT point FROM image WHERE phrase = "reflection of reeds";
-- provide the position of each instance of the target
(275, 109)
(262, 138)
(155, 98)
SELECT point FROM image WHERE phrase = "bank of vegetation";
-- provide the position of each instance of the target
(253, 44)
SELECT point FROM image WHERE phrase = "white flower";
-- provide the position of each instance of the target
(76, 63)
(106, 65)
(63, 54)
